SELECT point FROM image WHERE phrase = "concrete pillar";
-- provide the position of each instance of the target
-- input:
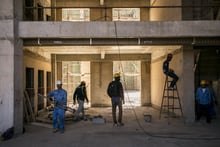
(59, 71)
(35, 90)
(145, 83)
(101, 75)
(85, 76)
(11, 54)
(53, 70)
(187, 79)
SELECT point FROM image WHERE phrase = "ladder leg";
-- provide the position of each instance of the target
(179, 101)
(164, 90)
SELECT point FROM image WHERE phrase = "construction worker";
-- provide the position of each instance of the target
(116, 92)
(170, 72)
(203, 100)
(80, 94)
(60, 98)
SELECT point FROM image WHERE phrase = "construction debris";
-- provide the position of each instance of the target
(98, 120)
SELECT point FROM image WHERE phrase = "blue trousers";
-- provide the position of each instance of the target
(58, 118)
(116, 101)
(174, 76)
(203, 110)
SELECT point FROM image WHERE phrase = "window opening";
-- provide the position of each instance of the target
(131, 80)
(40, 89)
(73, 72)
(126, 14)
(30, 85)
(73, 14)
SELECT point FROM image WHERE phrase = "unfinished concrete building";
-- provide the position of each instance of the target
(73, 40)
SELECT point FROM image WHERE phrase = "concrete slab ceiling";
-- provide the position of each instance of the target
(155, 51)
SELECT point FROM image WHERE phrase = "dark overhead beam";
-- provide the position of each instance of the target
(198, 42)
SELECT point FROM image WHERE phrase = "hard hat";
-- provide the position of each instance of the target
(83, 83)
(116, 75)
(59, 82)
(170, 55)
(203, 82)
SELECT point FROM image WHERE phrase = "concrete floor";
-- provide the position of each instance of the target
(135, 133)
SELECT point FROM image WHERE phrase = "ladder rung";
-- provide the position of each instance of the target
(174, 97)
(167, 106)
(171, 89)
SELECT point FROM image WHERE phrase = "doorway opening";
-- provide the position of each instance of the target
(131, 81)
(73, 72)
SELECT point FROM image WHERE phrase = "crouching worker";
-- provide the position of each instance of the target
(60, 98)
(80, 94)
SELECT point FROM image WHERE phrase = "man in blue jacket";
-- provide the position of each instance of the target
(203, 100)
(60, 99)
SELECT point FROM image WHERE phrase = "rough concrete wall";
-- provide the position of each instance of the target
(11, 67)
(85, 70)
(145, 83)
(101, 75)
(6, 89)
(157, 82)
(186, 85)
(6, 74)
(165, 14)
(37, 64)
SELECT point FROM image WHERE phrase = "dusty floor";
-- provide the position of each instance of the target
(135, 133)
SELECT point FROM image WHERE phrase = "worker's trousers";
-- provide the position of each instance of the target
(80, 109)
(116, 101)
(174, 76)
(58, 118)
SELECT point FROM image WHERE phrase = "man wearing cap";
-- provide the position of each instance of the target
(80, 94)
(170, 72)
(117, 98)
(203, 101)
(60, 98)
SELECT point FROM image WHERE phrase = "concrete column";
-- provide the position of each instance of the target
(85, 76)
(53, 70)
(59, 71)
(11, 55)
(145, 83)
(187, 79)
(101, 75)
(35, 90)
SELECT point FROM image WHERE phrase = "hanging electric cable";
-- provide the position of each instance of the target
(120, 68)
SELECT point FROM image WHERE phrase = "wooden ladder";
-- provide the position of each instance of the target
(170, 101)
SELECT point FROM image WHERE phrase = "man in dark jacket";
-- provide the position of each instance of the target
(170, 72)
(80, 95)
(117, 99)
